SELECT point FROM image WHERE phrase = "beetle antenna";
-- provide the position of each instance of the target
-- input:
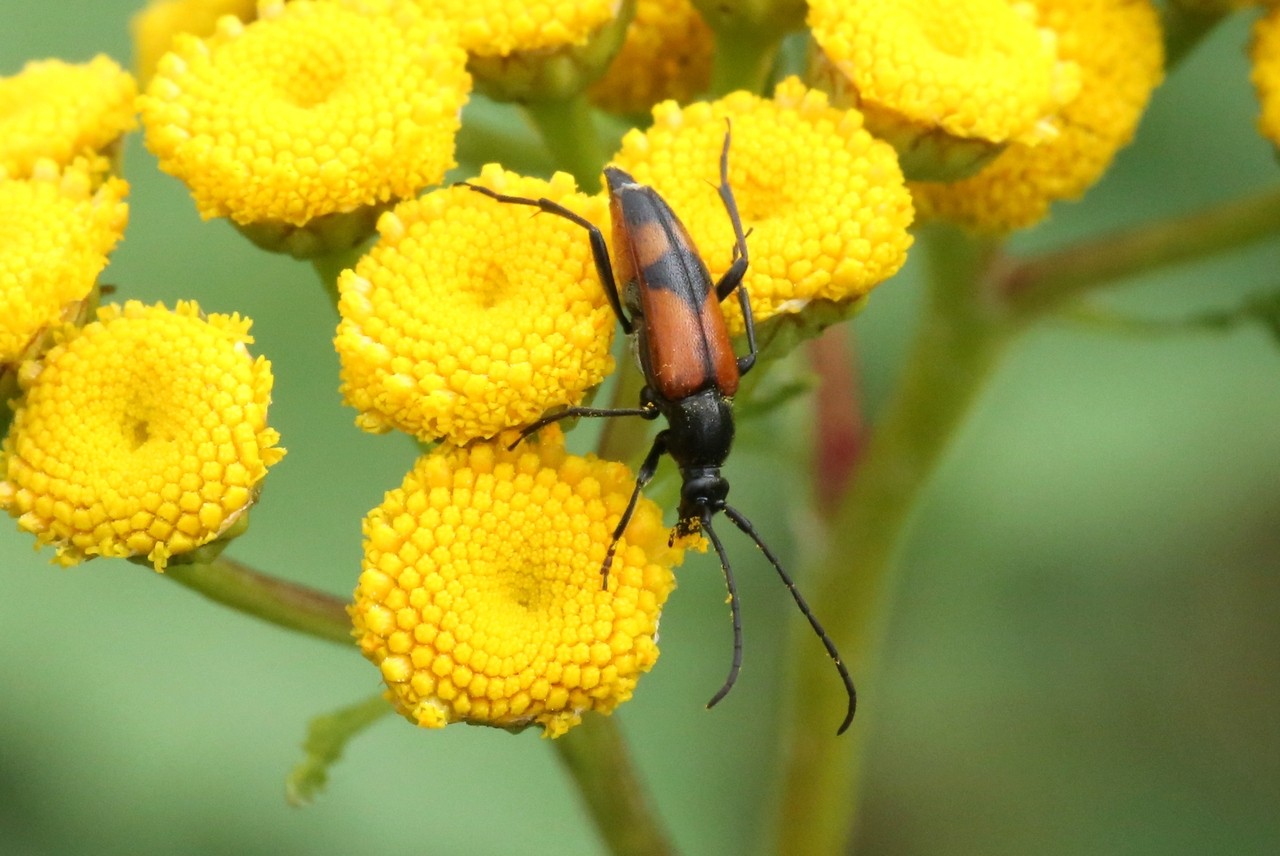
(745, 525)
(733, 611)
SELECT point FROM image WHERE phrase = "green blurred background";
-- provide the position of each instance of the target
(1084, 656)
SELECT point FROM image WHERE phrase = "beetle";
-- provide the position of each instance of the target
(668, 303)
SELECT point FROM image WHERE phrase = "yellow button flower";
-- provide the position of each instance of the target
(56, 230)
(315, 108)
(531, 52)
(480, 600)
(1264, 49)
(933, 74)
(666, 55)
(824, 201)
(502, 27)
(143, 433)
(154, 26)
(470, 316)
(1118, 49)
(61, 111)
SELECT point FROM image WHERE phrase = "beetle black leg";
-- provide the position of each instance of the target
(732, 278)
(734, 612)
(745, 525)
(647, 469)
(572, 412)
(599, 250)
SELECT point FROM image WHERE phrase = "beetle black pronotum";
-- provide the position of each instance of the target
(690, 369)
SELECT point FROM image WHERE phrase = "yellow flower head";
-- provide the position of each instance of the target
(501, 27)
(1264, 49)
(824, 201)
(470, 316)
(480, 598)
(143, 433)
(314, 108)
(155, 26)
(948, 83)
(1118, 49)
(530, 52)
(666, 55)
(56, 230)
(60, 111)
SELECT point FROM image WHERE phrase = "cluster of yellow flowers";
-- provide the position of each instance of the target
(139, 434)
(307, 122)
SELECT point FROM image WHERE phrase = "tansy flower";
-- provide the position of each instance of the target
(823, 200)
(536, 50)
(155, 26)
(470, 316)
(143, 433)
(56, 230)
(480, 599)
(314, 109)
(1265, 52)
(666, 55)
(1118, 49)
(60, 111)
(947, 83)
(501, 27)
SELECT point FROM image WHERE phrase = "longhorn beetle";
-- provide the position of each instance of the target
(691, 372)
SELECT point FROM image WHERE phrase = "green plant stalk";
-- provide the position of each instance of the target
(1183, 29)
(330, 265)
(276, 601)
(595, 755)
(744, 59)
(961, 337)
(568, 128)
(1048, 282)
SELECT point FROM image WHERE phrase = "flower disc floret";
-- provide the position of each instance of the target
(824, 202)
(56, 230)
(61, 111)
(155, 26)
(143, 433)
(471, 315)
(976, 69)
(480, 597)
(315, 108)
(1118, 49)
(1264, 49)
(503, 27)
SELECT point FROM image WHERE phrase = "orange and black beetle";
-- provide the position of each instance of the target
(669, 303)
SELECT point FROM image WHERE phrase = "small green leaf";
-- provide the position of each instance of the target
(327, 736)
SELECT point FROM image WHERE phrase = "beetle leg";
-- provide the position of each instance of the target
(572, 412)
(647, 469)
(745, 525)
(732, 279)
(599, 249)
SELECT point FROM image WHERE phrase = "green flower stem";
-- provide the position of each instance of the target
(1048, 282)
(497, 133)
(328, 267)
(743, 60)
(568, 128)
(625, 438)
(1183, 29)
(961, 337)
(595, 755)
(273, 600)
